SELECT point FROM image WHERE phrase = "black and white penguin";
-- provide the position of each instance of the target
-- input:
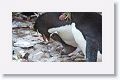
(83, 31)
(71, 36)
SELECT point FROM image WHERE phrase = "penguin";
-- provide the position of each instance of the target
(71, 36)
(83, 30)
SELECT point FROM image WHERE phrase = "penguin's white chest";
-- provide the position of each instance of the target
(65, 32)
(79, 38)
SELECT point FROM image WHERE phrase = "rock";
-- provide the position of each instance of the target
(80, 60)
(18, 54)
(66, 59)
(26, 56)
(38, 46)
(26, 32)
(44, 60)
(16, 49)
(21, 24)
(77, 60)
(37, 34)
(30, 50)
(73, 57)
(20, 60)
(23, 44)
(36, 56)
(46, 55)
(53, 59)
(31, 39)
(15, 57)
(15, 24)
(22, 53)
(64, 56)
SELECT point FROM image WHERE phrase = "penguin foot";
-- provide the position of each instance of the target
(73, 54)
(76, 52)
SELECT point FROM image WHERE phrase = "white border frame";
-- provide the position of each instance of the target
(7, 66)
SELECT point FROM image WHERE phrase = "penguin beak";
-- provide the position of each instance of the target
(45, 38)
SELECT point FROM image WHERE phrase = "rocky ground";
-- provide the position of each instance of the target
(29, 46)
